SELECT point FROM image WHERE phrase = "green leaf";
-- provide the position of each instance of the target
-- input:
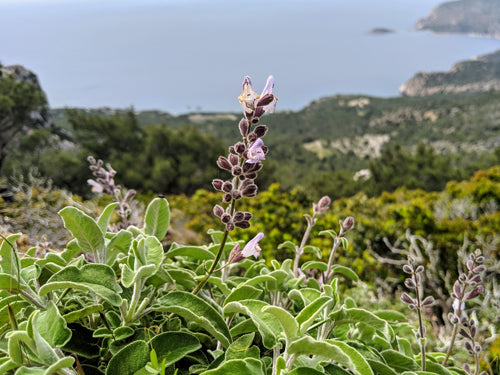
(246, 326)
(304, 371)
(196, 252)
(44, 351)
(308, 314)
(193, 308)
(288, 245)
(243, 292)
(346, 271)
(287, 321)
(381, 368)
(391, 315)
(118, 244)
(356, 315)
(173, 346)
(9, 258)
(66, 362)
(147, 259)
(315, 265)
(248, 366)
(241, 348)
(129, 360)
(313, 250)
(334, 350)
(103, 220)
(267, 324)
(399, 362)
(157, 218)
(122, 333)
(99, 279)
(10, 283)
(330, 232)
(52, 326)
(71, 251)
(89, 236)
(436, 368)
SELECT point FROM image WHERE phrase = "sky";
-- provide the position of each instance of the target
(187, 55)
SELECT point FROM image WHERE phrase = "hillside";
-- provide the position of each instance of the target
(477, 17)
(475, 75)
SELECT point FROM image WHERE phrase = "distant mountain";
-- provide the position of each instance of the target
(475, 75)
(478, 17)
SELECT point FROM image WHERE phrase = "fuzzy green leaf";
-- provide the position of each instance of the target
(89, 236)
(52, 326)
(309, 313)
(105, 217)
(356, 315)
(334, 350)
(399, 362)
(99, 279)
(248, 366)
(9, 258)
(243, 292)
(196, 252)
(157, 218)
(346, 271)
(173, 346)
(193, 308)
(241, 348)
(268, 325)
(130, 359)
(287, 321)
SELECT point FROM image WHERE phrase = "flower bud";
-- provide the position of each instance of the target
(237, 170)
(217, 184)
(242, 224)
(252, 137)
(232, 150)
(229, 227)
(240, 148)
(453, 318)
(227, 187)
(420, 269)
(91, 159)
(348, 223)
(417, 278)
(226, 198)
(233, 159)
(223, 163)
(475, 292)
(480, 259)
(407, 269)
(479, 269)
(243, 125)
(428, 301)
(464, 333)
(260, 131)
(238, 216)
(476, 279)
(410, 283)
(225, 218)
(250, 191)
(468, 346)
(462, 278)
(236, 194)
(477, 348)
(407, 299)
(218, 210)
(470, 265)
(265, 100)
(247, 216)
(457, 288)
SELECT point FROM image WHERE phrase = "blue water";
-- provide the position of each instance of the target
(186, 55)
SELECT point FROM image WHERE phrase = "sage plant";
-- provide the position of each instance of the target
(466, 288)
(418, 303)
(243, 162)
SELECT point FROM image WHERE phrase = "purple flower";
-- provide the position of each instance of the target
(96, 187)
(255, 153)
(250, 101)
(252, 247)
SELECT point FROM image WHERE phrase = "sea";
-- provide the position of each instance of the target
(182, 56)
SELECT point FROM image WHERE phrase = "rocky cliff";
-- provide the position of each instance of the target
(475, 75)
(478, 17)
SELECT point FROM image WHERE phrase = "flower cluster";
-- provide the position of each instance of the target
(104, 183)
(245, 157)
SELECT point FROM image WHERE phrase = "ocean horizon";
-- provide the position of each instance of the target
(182, 56)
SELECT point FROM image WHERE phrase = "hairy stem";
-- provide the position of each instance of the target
(421, 328)
(300, 250)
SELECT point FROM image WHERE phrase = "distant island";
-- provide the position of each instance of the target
(475, 17)
(479, 74)
(381, 30)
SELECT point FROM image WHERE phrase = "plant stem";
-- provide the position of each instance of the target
(300, 250)
(421, 328)
(134, 301)
(204, 280)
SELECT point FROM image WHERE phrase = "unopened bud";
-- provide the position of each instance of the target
(250, 191)
(226, 198)
(480, 259)
(265, 100)
(236, 170)
(407, 299)
(453, 318)
(130, 194)
(243, 125)
(252, 137)
(260, 131)
(348, 223)
(242, 224)
(468, 346)
(420, 269)
(234, 159)
(229, 227)
(217, 184)
(462, 278)
(407, 269)
(225, 218)
(479, 269)
(232, 150)
(475, 292)
(457, 288)
(238, 216)
(410, 283)
(227, 187)
(470, 265)
(218, 210)
(240, 148)
(223, 163)
(428, 301)
(477, 348)
(236, 194)
(91, 159)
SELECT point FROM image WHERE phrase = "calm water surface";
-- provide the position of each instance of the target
(186, 55)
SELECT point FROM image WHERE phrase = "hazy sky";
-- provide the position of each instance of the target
(182, 55)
